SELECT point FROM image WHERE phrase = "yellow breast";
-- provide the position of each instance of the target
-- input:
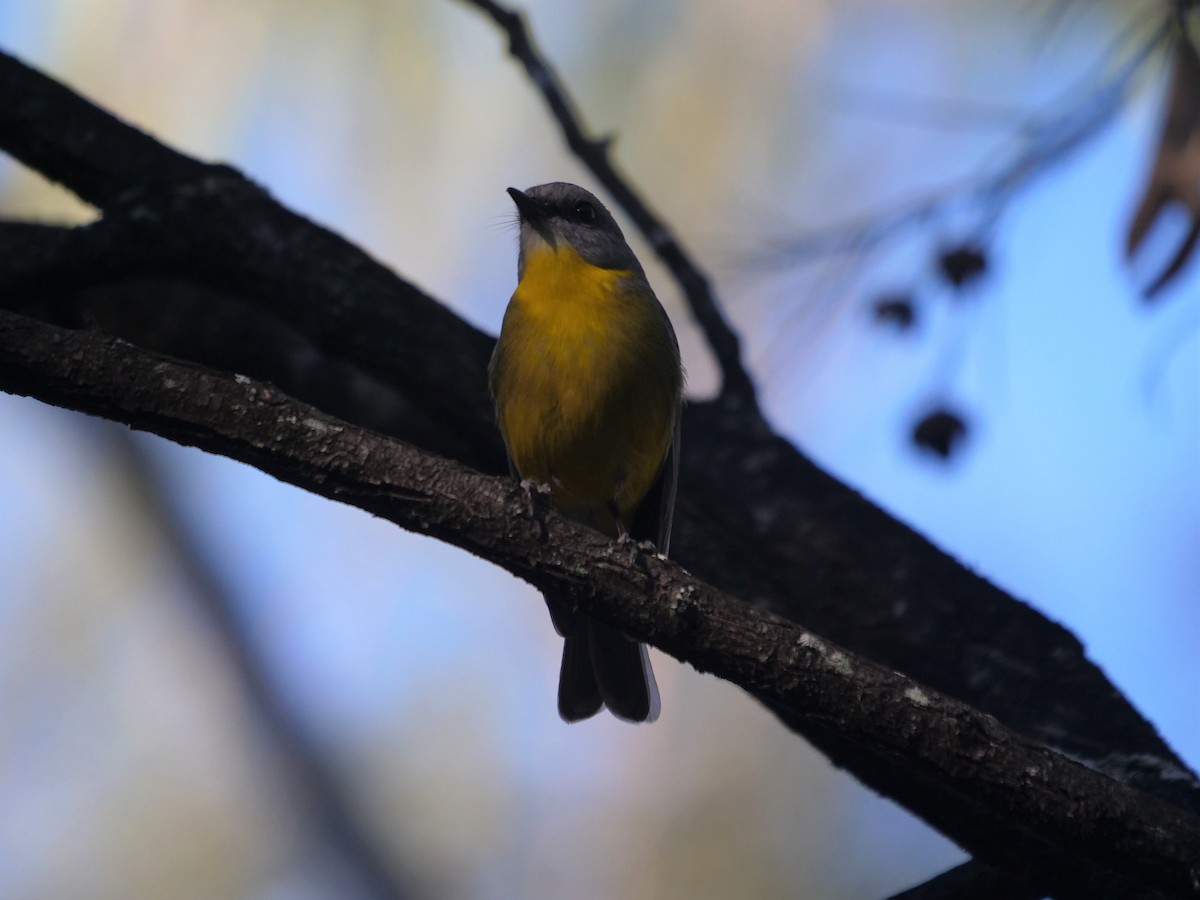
(587, 385)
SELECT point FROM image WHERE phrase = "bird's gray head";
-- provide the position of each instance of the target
(560, 214)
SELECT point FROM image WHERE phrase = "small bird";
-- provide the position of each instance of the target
(588, 387)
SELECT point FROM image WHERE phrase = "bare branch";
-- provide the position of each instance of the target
(1072, 818)
(722, 339)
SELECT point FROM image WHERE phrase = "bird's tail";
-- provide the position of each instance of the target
(602, 667)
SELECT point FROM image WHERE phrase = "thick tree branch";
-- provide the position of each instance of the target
(971, 879)
(736, 386)
(753, 514)
(1073, 818)
(211, 269)
(78, 146)
(348, 305)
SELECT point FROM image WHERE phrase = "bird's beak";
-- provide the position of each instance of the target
(532, 215)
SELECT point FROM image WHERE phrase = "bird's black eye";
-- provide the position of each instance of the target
(584, 213)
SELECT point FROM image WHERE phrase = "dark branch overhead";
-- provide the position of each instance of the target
(77, 145)
(972, 879)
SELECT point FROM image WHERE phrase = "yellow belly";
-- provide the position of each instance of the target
(587, 385)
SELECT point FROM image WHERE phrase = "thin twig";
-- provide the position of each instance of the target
(737, 386)
(1044, 142)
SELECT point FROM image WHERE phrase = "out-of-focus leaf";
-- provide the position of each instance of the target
(896, 310)
(1175, 176)
(940, 432)
(963, 264)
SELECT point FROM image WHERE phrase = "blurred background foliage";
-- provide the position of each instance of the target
(132, 763)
